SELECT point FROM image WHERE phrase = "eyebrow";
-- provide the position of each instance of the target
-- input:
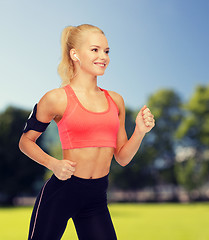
(98, 46)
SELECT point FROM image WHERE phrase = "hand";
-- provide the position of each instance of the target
(145, 120)
(63, 169)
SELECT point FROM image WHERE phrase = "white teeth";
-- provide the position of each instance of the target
(100, 64)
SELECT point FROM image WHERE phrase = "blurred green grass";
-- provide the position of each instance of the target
(132, 221)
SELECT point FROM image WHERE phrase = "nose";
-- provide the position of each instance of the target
(103, 55)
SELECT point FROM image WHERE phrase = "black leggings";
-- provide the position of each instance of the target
(83, 200)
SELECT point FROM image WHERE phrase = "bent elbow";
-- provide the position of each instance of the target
(121, 162)
(21, 144)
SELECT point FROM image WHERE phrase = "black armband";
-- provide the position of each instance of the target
(33, 124)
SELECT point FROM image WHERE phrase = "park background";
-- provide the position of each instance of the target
(159, 57)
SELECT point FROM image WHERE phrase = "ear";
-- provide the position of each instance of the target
(72, 55)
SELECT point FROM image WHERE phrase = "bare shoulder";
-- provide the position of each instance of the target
(51, 103)
(118, 99)
(53, 96)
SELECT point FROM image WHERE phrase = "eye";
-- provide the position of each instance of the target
(107, 52)
(94, 50)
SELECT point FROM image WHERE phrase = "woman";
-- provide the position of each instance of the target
(90, 121)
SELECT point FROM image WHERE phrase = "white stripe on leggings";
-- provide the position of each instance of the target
(38, 209)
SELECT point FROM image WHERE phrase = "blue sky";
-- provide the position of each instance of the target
(154, 44)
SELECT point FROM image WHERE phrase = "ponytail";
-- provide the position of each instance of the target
(66, 67)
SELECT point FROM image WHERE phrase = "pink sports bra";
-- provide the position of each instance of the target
(80, 128)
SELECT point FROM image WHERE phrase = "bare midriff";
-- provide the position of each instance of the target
(92, 162)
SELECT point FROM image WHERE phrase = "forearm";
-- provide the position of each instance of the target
(33, 151)
(129, 149)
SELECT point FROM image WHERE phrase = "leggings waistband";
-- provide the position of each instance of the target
(90, 180)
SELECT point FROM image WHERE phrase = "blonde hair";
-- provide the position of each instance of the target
(71, 38)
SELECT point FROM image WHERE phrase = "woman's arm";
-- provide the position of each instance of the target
(126, 149)
(48, 109)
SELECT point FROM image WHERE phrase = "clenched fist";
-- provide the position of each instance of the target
(145, 120)
(63, 169)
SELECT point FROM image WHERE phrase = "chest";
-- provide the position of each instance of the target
(92, 102)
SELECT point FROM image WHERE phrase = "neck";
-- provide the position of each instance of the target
(84, 83)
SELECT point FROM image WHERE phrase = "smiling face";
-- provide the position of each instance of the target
(93, 53)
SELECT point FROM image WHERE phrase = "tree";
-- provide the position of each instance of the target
(195, 126)
(18, 174)
(165, 105)
(194, 134)
(191, 174)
